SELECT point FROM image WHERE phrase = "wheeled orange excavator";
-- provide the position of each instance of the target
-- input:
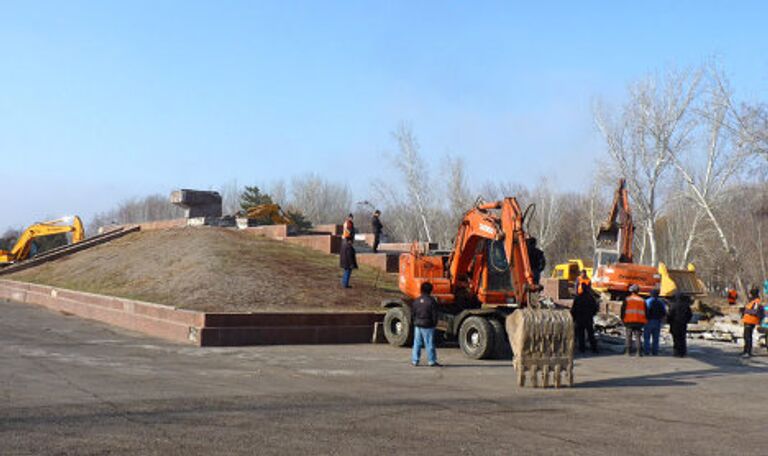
(21, 249)
(480, 285)
(614, 269)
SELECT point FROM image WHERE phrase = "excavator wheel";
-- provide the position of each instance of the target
(501, 348)
(397, 327)
(476, 337)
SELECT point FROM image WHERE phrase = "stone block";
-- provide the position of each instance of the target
(387, 262)
(404, 246)
(335, 230)
(163, 224)
(325, 243)
(197, 203)
(556, 289)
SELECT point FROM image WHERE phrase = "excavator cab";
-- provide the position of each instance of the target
(498, 277)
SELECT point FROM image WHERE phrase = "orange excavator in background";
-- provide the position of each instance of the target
(22, 248)
(614, 270)
(482, 281)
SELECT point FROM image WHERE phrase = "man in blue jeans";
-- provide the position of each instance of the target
(424, 317)
(655, 312)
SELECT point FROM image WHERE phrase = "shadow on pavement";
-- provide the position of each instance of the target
(722, 364)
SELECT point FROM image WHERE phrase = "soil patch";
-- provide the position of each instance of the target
(215, 269)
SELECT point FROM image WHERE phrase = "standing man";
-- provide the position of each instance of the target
(377, 228)
(348, 228)
(347, 261)
(732, 296)
(536, 257)
(633, 314)
(753, 315)
(678, 317)
(424, 316)
(655, 311)
(583, 312)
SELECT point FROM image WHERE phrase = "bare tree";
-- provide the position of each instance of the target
(712, 165)
(546, 225)
(411, 166)
(320, 201)
(654, 121)
(148, 209)
(230, 196)
(279, 192)
(459, 197)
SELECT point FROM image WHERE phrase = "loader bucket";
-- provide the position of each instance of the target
(542, 343)
(683, 280)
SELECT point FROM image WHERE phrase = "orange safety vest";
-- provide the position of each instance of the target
(751, 319)
(586, 282)
(349, 227)
(634, 312)
(732, 295)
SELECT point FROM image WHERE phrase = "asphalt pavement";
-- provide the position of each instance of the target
(72, 386)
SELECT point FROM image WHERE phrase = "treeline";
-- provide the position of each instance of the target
(694, 156)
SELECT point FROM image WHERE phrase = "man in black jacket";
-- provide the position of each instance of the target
(347, 261)
(537, 259)
(656, 310)
(678, 316)
(583, 312)
(424, 317)
(377, 228)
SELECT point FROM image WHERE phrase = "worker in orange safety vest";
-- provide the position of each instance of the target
(732, 295)
(348, 231)
(633, 314)
(753, 315)
(583, 282)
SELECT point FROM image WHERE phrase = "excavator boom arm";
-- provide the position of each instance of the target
(618, 230)
(20, 250)
(476, 225)
(516, 248)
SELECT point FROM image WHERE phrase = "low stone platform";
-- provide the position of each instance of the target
(387, 262)
(200, 328)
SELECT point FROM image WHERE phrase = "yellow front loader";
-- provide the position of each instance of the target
(21, 249)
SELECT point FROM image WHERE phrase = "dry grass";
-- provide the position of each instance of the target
(214, 269)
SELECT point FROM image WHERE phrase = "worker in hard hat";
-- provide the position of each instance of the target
(634, 315)
(583, 312)
(753, 316)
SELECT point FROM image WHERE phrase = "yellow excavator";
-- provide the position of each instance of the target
(272, 212)
(21, 249)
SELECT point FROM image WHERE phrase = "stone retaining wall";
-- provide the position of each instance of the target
(199, 328)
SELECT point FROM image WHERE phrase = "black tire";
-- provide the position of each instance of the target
(476, 338)
(501, 348)
(397, 327)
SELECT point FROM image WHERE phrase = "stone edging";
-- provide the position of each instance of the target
(199, 328)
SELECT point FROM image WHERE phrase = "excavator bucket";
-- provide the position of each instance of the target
(608, 237)
(542, 343)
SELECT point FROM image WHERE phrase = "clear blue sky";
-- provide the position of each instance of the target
(104, 100)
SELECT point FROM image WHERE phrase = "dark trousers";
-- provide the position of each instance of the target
(376, 240)
(345, 278)
(585, 330)
(748, 329)
(679, 340)
(634, 333)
